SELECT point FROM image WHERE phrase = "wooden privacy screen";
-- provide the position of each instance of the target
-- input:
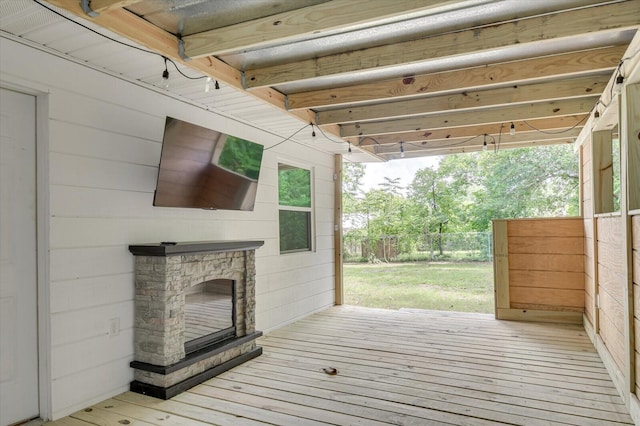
(539, 269)
(611, 286)
(635, 232)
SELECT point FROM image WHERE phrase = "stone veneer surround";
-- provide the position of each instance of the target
(162, 274)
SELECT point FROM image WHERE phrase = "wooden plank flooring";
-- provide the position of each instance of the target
(406, 367)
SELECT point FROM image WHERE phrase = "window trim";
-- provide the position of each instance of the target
(310, 209)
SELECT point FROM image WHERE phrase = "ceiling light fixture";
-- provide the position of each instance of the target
(165, 75)
(207, 85)
(617, 88)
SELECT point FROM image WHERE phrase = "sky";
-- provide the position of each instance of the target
(405, 169)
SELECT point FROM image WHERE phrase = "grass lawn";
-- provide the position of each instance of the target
(462, 287)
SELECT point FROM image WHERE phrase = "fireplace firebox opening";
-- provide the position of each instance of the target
(209, 314)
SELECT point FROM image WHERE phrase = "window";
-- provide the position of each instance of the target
(606, 172)
(294, 200)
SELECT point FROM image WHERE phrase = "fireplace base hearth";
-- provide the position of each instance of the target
(150, 373)
(165, 273)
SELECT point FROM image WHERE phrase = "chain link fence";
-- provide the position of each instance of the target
(473, 246)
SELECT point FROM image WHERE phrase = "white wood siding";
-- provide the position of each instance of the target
(105, 141)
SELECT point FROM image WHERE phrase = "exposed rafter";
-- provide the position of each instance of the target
(492, 75)
(555, 125)
(504, 140)
(519, 32)
(345, 15)
(464, 118)
(471, 68)
(572, 88)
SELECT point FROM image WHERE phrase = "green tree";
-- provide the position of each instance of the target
(465, 192)
(433, 199)
(384, 209)
(526, 182)
(352, 175)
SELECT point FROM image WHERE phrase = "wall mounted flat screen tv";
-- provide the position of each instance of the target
(207, 169)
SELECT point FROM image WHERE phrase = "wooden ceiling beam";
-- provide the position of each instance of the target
(471, 148)
(132, 27)
(466, 118)
(516, 94)
(101, 6)
(517, 72)
(554, 124)
(517, 32)
(478, 140)
(294, 24)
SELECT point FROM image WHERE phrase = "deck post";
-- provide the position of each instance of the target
(337, 229)
(501, 266)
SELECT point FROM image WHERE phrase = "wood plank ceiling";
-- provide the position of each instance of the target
(407, 78)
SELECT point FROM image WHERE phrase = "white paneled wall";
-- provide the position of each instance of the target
(104, 146)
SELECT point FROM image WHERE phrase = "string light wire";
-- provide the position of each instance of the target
(141, 49)
(288, 138)
(558, 132)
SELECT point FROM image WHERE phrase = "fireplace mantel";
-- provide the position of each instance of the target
(175, 249)
(164, 273)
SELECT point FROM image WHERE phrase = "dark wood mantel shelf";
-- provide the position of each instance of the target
(173, 249)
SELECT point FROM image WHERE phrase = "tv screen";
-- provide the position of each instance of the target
(207, 169)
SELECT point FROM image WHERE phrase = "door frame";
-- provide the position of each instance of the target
(42, 236)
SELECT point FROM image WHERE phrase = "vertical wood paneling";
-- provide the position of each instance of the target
(587, 179)
(635, 244)
(501, 265)
(611, 287)
(586, 202)
(633, 132)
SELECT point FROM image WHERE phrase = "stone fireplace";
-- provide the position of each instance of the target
(194, 313)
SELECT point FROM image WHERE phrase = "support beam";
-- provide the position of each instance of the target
(603, 60)
(465, 118)
(337, 230)
(528, 139)
(557, 125)
(305, 22)
(101, 6)
(527, 30)
(465, 149)
(501, 266)
(562, 89)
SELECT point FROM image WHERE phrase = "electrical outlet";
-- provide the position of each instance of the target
(114, 327)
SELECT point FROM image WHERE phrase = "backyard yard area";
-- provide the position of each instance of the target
(444, 286)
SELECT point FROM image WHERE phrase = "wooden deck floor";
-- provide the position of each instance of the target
(395, 367)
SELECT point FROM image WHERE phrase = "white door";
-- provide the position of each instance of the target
(18, 285)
